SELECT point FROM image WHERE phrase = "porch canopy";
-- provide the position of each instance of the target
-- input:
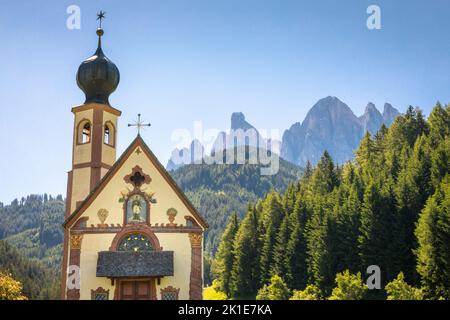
(118, 264)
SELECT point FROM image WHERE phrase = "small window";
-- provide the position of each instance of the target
(170, 293)
(84, 134)
(99, 294)
(107, 136)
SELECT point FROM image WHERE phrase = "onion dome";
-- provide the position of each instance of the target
(98, 76)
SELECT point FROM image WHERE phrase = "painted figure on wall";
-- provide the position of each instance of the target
(136, 209)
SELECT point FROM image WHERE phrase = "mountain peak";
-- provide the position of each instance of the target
(371, 108)
(237, 116)
(389, 109)
(331, 108)
(329, 101)
(372, 119)
(238, 122)
(389, 113)
(331, 125)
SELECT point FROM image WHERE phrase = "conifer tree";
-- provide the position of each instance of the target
(224, 260)
(324, 178)
(347, 232)
(433, 234)
(321, 265)
(272, 216)
(440, 162)
(413, 189)
(244, 275)
(439, 122)
(308, 171)
(376, 232)
(296, 270)
(364, 154)
(279, 265)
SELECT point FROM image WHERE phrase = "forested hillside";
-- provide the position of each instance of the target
(38, 281)
(390, 207)
(32, 242)
(218, 190)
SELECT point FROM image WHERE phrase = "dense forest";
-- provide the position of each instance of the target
(218, 190)
(390, 207)
(31, 243)
(38, 281)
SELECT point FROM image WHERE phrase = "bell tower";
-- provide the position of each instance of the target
(95, 126)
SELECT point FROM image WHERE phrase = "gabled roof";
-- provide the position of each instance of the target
(138, 142)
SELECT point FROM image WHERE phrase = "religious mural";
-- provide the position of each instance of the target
(136, 209)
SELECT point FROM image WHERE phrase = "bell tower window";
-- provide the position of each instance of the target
(109, 134)
(84, 132)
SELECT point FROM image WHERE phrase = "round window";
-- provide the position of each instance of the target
(135, 242)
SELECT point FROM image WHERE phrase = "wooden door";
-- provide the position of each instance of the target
(136, 290)
(127, 290)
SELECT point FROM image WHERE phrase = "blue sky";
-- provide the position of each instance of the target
(182, 61)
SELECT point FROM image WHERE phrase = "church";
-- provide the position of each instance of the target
(130, 233)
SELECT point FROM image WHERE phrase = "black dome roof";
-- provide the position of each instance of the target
(98, 76)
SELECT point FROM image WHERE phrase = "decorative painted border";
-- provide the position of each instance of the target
(196, 277)
(75, 241)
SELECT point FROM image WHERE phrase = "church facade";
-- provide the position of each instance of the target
(129, 231)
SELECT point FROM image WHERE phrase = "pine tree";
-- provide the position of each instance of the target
(223, 263)
(439, 121)
(364, 154)
(289, 197)
(324, 178)
(279, 265)
(319, 238)
(244, 275)
(440, 162)
(308, 171)
(347, 233)
(376, 234)
(433, 235)
(272, 216)
(296, 270)
(412, 191)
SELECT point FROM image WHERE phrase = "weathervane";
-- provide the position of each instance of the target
(139, 124)
(101, 16)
